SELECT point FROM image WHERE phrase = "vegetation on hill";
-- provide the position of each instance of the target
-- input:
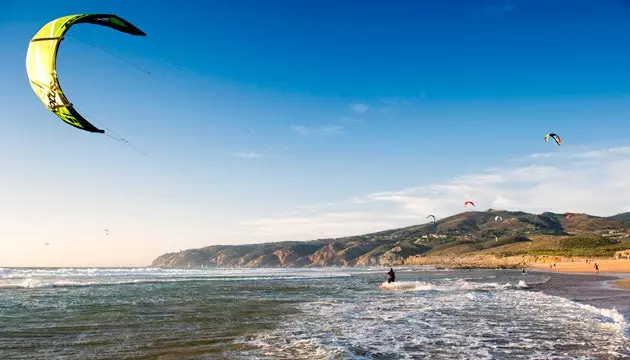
(496, 233)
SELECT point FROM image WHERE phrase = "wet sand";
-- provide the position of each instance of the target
(602, 291)
(622, 284)
(579, 281)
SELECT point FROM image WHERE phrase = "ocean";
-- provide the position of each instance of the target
(324, 313)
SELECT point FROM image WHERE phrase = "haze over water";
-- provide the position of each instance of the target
(326, 313)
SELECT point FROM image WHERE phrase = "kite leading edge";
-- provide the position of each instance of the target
(41, 59)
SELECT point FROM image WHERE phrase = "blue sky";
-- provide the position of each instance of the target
(310, 119)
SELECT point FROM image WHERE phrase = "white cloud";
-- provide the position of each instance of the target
(318, 130)
(359, 108)
(596, 182)
(247, 155)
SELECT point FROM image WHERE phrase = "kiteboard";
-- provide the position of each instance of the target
(386, 286)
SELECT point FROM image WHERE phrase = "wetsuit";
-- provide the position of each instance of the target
(392, 276)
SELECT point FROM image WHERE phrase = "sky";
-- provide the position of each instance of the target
(250, 121)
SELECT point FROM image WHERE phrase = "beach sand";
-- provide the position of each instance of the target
(610, 266)
(581, 266)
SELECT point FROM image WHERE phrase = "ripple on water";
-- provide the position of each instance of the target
(289, 314)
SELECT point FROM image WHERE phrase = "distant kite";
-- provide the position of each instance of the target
(41, 59)
(498, 218)
(553, 136)
(469, 202)
(568, 216)
(432, 216)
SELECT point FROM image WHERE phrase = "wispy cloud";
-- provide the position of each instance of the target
(317, 130)
(247, 155)
(594, 154)
(390, 105)
(319, 225)
(499, 9)
(350, 120)
(359, 108)
(583, 154)
(540, 155)
(590, 181)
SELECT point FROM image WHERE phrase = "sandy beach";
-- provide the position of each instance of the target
(582, 266)
(618, 267)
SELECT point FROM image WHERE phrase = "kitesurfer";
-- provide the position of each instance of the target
(392, 276)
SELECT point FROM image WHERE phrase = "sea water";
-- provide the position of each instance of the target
(327, 313)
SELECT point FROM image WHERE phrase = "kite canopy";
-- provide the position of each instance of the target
(432, 216)
(41, 59)
(555, 137)
(469, 202)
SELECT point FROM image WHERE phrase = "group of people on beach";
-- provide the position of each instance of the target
(595, 266)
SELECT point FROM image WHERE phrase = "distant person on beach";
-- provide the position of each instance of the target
(523, 270)
(392, 276)
(596, 267)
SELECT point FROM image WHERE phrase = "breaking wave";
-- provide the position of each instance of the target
(448, 285)
(448, 318)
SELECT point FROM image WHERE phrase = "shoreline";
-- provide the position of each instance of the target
(623, 284)
(619, 269)
(604, 291)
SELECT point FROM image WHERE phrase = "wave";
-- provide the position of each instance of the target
(74, 277)
(611, 317)
(449, 285)
(448, 319)
(80, 277)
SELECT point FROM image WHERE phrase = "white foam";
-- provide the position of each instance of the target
(451, 319)
(407, 286)
(448, 285)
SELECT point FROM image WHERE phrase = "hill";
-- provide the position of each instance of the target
(455, 240)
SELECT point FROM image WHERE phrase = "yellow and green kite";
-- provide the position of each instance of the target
(41, 59)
